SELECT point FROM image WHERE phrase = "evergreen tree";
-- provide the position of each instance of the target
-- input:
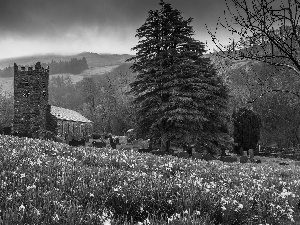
(247, 126)
(178, 95)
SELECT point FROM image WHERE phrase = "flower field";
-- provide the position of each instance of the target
(52, 183)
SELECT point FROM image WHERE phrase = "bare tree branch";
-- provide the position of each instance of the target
(268, 31)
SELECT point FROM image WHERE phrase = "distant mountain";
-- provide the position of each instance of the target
(93, 59)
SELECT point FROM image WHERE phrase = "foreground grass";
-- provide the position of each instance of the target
(51, 183)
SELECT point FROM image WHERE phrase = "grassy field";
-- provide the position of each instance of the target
(52, 183)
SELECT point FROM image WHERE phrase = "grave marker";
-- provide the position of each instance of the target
(251, 153)
(243, 159)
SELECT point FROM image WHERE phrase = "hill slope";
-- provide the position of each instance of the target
(6, 83)
(93, 59)
(98, 65)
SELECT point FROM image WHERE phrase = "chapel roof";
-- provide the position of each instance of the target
(68, 114)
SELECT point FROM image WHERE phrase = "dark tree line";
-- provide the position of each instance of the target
(7, 72)
(74, 66)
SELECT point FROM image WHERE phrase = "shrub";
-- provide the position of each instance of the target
(247, 125)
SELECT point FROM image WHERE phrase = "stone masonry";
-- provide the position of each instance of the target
(30, 100)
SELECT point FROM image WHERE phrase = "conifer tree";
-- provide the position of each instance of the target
(247, 126)
(178, 95)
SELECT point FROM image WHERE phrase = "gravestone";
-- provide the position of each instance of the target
(112, 143)
(223, 152)
(207, 157)
(158, 152)
(122, 139)
(135, 142)
(144, 150)
(196, 155)
(183, 155)
(241, 151)
(251, 153)
(135, 145)
(189, 150)
(145, 144)
(243, 159)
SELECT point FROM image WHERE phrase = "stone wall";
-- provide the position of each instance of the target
(73, 130)
(30, 100)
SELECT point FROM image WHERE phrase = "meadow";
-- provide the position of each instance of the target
(43, 182)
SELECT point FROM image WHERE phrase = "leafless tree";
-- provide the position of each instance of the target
(262, 30)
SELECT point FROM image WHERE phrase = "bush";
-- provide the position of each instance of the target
(246, 129)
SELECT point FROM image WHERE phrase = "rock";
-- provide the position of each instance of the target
(243, 159)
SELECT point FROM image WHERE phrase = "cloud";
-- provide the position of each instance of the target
(55, 17)
(59, 22)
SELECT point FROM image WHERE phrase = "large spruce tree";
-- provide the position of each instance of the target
(178, 95)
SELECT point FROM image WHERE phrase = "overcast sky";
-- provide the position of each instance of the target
(103, 26)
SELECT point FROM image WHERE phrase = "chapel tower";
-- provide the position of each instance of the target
(30, 100)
